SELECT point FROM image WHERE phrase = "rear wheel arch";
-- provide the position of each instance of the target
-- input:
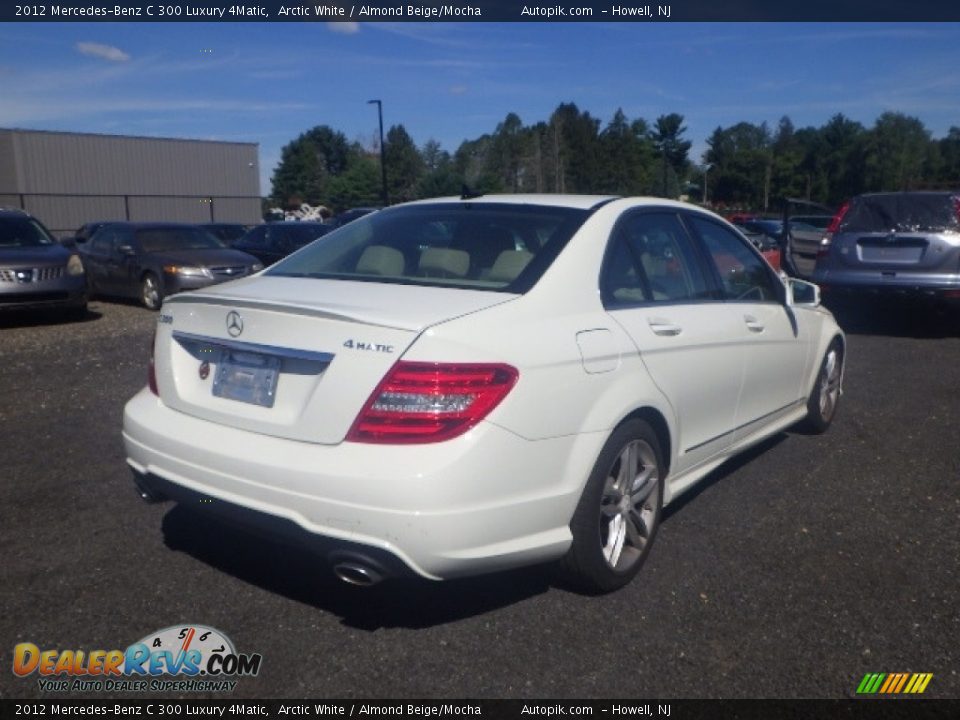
(658, 423)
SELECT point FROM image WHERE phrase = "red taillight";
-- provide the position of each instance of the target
(420, 402)
(152, 371)
(831, 229)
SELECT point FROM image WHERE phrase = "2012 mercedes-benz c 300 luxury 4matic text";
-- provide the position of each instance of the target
(458, 386)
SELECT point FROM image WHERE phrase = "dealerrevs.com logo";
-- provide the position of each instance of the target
(202, 659)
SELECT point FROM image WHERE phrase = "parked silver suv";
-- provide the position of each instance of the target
(907, 242)
(36, 271)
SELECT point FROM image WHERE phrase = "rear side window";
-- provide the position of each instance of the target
(486, 246)
(903, 212)
(652, 261)
(743, 274)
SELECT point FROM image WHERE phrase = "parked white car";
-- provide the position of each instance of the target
(459, 386)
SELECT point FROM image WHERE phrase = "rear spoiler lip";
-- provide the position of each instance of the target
(286, 306)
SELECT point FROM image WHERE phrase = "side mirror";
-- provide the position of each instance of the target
(802, 293)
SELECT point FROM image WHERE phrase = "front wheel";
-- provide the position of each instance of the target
(150, 293)
(823, 400)
(617, 517)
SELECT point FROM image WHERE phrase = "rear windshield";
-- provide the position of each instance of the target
(153, 240)
(910, 212)
(487, 246)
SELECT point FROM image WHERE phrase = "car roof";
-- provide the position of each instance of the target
(151, 225)
(582, 202)
(13, 212)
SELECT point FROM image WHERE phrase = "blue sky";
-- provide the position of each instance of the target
(268, 82)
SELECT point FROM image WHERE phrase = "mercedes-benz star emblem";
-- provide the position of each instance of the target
(234, 323)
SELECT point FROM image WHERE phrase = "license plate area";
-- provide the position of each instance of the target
(899, 250)
(247, 377)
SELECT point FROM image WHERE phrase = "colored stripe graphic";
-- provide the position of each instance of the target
(894, 683)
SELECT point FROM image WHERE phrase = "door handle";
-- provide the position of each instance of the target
(753, 324)
(663, 327)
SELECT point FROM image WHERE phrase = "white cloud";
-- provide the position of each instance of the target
(107, 52)
(344, 28)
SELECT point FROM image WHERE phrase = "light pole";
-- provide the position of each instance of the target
(706, 169)
(383, 166)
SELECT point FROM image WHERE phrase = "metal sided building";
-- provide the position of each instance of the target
(68, 179)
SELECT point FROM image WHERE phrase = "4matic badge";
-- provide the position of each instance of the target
(360, 345)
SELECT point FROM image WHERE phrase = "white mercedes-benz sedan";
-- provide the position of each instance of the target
(458, 386)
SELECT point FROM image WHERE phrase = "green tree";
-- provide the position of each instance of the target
(949, 147)
(664, 182)
(843, 158)
(896, 150)
(404, 165)
(741, 158)
(508, 153)
(307, 166)
(786, 177)
(626, 156)
(576, 149)
(669, 145)
(440, 177)
(358, 186)
(471, 163)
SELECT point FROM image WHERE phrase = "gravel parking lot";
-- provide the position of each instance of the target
(791, 572)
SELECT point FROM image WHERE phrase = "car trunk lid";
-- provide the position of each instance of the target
(292, 357)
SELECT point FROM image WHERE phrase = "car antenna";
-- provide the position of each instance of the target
(467, 194)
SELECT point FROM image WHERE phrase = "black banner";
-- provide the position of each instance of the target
(631, 11)
(865, 709)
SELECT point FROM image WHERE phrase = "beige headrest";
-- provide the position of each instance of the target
(443, 262)
(509, 265)
(381, 260)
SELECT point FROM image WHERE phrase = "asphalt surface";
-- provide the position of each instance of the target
(791, 572)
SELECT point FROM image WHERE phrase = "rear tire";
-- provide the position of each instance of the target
(150, 293)
(618, 514)
(825, 395)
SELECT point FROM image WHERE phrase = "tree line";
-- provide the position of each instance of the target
(745, 166)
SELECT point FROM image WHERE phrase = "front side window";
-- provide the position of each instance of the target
(652, 261)
(485, 246)
(256, 238)
(104, 241)
(743, 274)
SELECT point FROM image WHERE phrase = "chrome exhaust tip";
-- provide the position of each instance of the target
(356, 574)
(146, 493)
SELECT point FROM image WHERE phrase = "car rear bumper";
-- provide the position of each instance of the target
(912, 283)
(485, 501)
